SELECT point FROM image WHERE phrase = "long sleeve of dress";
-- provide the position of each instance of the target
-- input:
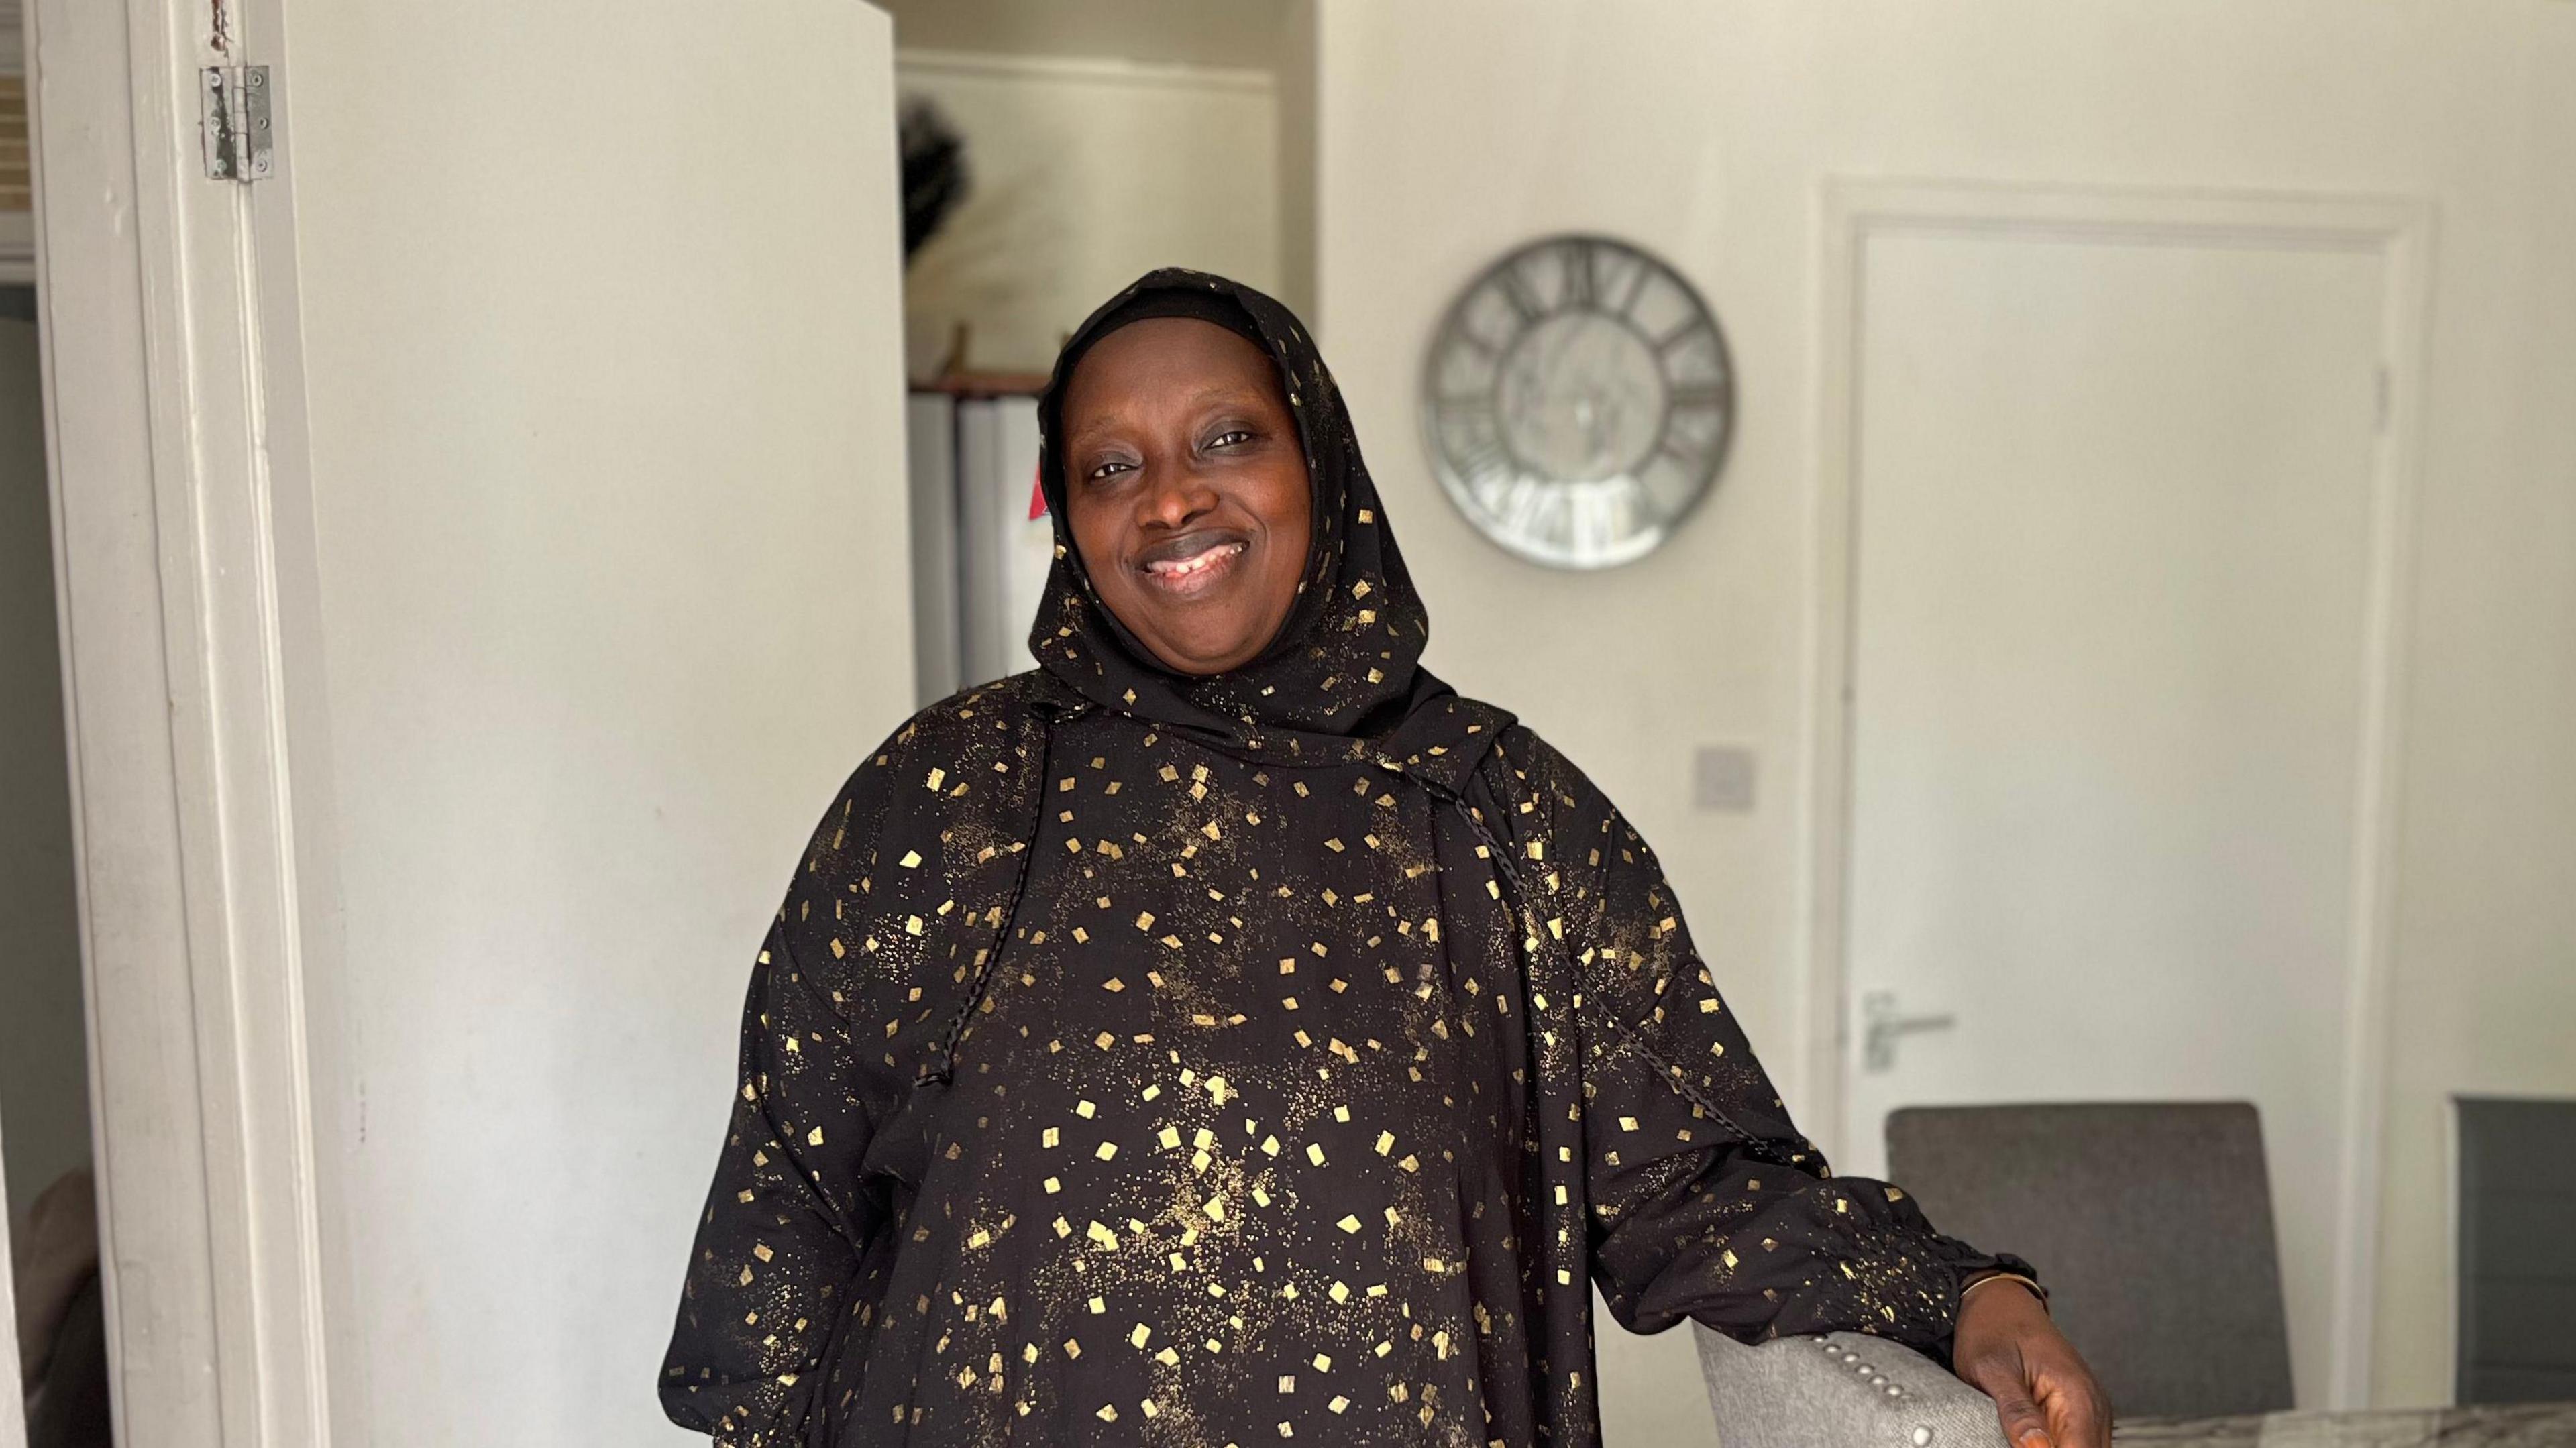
(780, 1242)
(1705, 1201)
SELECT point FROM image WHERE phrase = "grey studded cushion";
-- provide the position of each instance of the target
(1842, 1391)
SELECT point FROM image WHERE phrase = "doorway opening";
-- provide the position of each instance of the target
(58, 1313)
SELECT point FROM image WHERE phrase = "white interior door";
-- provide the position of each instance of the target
(2112, 641)
(600, 316)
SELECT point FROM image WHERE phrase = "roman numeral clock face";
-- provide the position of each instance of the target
(1577, 402)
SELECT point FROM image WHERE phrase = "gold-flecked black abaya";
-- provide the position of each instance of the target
(1285, 1055)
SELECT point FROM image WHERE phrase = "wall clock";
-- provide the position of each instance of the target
(1577, 401)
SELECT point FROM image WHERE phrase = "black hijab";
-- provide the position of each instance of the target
(1342, 680)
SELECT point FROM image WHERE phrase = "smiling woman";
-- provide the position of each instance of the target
(1184, 481)
(1227, 1033)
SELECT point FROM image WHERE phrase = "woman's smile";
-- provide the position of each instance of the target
(1195, 563)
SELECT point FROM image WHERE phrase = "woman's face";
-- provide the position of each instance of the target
(1186, 489)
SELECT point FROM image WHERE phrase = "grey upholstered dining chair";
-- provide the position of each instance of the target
(2151, 1223)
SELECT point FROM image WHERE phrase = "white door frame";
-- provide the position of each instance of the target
(183, 555)
(2400, 233)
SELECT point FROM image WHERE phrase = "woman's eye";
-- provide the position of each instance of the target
(1230, 437)
(1106, 469)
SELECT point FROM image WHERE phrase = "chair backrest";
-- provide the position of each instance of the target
(2151, 1224)
(2517, 1267)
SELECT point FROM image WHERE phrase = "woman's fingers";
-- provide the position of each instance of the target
(2074, 1424)
(2025, 1426)
(2079, 1415)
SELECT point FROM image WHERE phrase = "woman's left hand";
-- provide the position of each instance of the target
(2007, 1348)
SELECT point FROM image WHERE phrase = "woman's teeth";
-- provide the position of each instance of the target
(1184, 567)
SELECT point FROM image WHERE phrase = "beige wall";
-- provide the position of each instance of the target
(1107, 137)
(1086, 173)
(1450, 129)
(1294, 67)
(1224, 33)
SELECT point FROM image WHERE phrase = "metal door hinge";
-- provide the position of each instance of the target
(233, 110)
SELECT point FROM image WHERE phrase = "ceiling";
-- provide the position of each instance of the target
(1232, 33)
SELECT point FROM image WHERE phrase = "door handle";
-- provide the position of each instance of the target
(1882, 1023)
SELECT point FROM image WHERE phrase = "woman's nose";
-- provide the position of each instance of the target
(1176, 494)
